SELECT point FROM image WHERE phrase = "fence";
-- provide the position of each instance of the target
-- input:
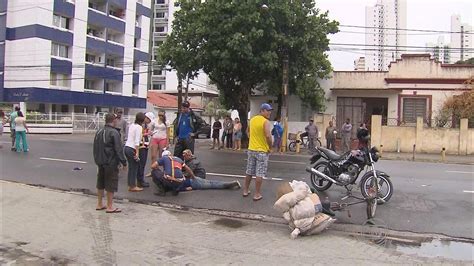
(433, 123)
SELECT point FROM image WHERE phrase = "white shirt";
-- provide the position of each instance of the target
(159, 130)
(20, 124)
(134, 136)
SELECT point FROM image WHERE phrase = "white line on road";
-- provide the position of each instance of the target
(468, 191)
(242, 176)
(273, 161)
(61, 160)
(460, 172)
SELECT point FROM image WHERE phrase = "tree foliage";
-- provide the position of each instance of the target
(461, 106)
(469, 61)
(241, 46)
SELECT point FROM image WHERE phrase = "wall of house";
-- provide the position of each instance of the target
(359, 80)
(427, 140)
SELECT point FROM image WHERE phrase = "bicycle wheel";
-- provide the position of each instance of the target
(385, 188)
(292, 146)
(372, 192)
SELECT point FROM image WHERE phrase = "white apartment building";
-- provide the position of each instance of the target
(167, 80)
(384, 42)
(75, 55)
(461, 39)
(440, 51)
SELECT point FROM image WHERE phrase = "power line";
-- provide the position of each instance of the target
(401, 29)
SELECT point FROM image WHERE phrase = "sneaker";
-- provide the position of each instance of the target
(13, 149)
(237, 184)
(144, 184)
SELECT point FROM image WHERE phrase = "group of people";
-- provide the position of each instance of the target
(231, 136)
(18, 129)
(118, 145)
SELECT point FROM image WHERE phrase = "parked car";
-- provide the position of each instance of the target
(204, 132)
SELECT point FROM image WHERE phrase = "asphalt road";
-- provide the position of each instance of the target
(428, 197)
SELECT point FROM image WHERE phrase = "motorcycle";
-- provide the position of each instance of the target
(344, 170)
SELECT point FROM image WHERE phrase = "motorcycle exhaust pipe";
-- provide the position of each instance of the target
(319, 174)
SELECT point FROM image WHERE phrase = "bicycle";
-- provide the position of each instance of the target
(293, 140)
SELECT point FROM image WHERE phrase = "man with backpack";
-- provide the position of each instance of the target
(108, 156)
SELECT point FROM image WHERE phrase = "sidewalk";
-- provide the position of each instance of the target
(427, 157)
(43, 226)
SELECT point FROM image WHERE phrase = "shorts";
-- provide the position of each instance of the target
(215, 134)
(257, 163)
(276, 142)
(238, 135)
(161, 143)
(107, 178)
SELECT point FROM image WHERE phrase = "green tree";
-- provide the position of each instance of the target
(241, 46)
(469, 61)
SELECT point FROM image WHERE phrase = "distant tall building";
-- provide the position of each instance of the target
(383, 38)
(163, 80)
(359, 64)
(461, 39)
(440, 51)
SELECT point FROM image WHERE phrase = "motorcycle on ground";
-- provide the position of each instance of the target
(344, 170)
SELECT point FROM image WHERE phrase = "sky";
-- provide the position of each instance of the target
(421, 14)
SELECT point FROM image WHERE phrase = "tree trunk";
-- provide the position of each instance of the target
(243, 108)
(180, 92)
(280, 101)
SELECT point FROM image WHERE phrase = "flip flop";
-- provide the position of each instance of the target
(257, 199)
(246, 194)
(116, 210)
(100, 209)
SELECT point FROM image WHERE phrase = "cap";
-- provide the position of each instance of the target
(266, 106)
(165, 153)
(185, 104)
(150, 116)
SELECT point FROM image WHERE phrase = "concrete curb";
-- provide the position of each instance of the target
(354, 230)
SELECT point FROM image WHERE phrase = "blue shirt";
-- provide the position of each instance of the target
(184, 126)
(166, 163)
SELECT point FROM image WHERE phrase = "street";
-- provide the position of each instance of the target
(428, 197)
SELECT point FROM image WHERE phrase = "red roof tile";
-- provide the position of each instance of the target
(164, 100)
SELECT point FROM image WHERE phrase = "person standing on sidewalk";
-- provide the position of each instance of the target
(260, 141)
(237, 137)
(2, 122)
(216, 130)
(312, 132)
(363, 136)
(108, 156)
(159, 132)
(277, 133)
(227, 134)
(132, 152)
(186, 125)
(331, 136)
(13, 115)
(121, 125)
(346, 131)
(21, 128)
(143, 150)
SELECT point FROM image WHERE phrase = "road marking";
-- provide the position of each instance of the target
(468, 191)
(49, 139)
(273, 161)
(460, 172)
(61, 160)
(242, 176)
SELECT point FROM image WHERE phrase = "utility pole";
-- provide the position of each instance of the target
(284, 101)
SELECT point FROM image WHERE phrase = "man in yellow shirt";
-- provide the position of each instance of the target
(260, 141)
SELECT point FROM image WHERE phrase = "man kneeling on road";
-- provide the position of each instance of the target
(171, 178)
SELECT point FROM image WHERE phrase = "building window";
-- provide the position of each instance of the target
(135, 89)
(59, 50)
(60, 80)
(413, 108)
(61, 22)
(136, 43)
(93, 59)
(157, 87)
(158, 43)
(160, 15)
(159, 29)
(111, 62)
(157, 72)
(160, 1)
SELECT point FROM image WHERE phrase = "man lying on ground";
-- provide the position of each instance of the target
(171, 178)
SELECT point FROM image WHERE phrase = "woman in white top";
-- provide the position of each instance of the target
(131, 151)
(20, 133)
(159, 133)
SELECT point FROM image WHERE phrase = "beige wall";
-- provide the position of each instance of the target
(427, 140)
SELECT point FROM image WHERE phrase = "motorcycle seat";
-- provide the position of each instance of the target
(333, 156)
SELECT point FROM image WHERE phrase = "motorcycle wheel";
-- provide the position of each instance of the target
(318, 183)
(292, 146)
(385, 188)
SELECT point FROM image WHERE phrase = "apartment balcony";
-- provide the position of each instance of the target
(101, 19)
(102, 72)
(101, 46)
(113, 87)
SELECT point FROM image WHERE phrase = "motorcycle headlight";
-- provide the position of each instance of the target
(375, 157)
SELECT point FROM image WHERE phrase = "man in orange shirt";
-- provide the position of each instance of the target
(260, 141)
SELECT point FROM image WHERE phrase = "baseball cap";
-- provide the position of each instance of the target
(165, 153)
(150, 116)
(266, 106)
(185, 104)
